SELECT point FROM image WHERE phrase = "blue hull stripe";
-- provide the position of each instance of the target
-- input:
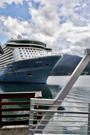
(29, 71)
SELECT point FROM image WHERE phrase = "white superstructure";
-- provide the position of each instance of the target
(29, 53)
(6, 58)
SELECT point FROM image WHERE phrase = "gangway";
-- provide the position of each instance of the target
(55, 103)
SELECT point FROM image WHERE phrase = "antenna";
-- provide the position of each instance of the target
(19, 36)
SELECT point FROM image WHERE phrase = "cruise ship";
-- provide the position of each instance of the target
(26, 61)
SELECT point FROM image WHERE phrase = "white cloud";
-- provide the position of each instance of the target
(13, 26)
(46, 24)
(75, 29)
(3, 2)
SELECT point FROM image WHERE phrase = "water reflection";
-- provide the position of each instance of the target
(48, 91)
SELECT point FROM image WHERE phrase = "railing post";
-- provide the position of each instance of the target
(39, 114)
(89, 119)
(31, 130)
(0, 111)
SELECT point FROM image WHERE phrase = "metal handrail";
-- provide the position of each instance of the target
(60, 97)
(80, 117)
(57, 111)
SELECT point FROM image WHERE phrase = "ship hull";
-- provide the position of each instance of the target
(29, 71)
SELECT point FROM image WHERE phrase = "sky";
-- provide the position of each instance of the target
(63, 24)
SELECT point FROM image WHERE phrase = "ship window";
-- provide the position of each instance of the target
(47, 64)
(11, 69)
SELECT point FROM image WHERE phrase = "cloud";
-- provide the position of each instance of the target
(61, 23)
(74, 39)
(4, 2)
(64, 23)
(12, 26)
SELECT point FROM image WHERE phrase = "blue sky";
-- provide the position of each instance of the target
(19, 11)
(64, 24)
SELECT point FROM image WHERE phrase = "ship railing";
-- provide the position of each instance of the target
(15, 106)
(70, 117)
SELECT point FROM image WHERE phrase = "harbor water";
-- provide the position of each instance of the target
(80, 92)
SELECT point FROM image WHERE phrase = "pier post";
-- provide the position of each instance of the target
(89, 119)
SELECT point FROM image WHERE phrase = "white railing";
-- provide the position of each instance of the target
(47, 116)
(72, 118)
